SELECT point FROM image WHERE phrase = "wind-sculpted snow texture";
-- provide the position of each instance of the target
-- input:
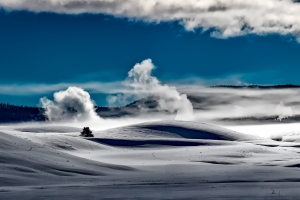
(155, 160)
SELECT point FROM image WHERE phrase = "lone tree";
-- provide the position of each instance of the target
(86, 132)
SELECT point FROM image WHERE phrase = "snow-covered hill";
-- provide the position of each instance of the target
(175, 129)
(155, 160)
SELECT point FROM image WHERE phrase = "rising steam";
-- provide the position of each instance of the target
(283, 112)
(75, 103)
(71, 104)
(141, 84)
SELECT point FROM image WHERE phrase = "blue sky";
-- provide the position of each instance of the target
(50, 48)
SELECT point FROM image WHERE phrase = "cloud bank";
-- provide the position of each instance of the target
(141, 83)
(224, 103)
(72, 104)
(228, 18)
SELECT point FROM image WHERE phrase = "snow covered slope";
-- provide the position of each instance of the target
(175, 129)
(49, 129)
(157, 160)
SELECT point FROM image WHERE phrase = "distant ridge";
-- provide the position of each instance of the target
(284, 86)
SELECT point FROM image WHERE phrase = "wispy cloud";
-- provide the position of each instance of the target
(115, 87)
(219, 103)
(198, 81)
(36, 88)
(228, 17)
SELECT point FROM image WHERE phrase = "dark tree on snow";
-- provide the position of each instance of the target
(86, 132)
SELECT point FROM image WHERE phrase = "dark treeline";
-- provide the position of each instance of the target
(12, 113)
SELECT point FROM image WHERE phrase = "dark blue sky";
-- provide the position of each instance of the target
(51, 48)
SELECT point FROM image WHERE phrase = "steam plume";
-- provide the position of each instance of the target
(283, 111)
(71, 104)
(142, 83)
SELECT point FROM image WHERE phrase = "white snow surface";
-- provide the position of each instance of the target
(155, 160)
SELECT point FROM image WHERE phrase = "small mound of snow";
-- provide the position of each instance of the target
(49, 129)
(287, 137)
(175, 129)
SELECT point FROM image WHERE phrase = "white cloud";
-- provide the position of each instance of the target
(229, 17)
